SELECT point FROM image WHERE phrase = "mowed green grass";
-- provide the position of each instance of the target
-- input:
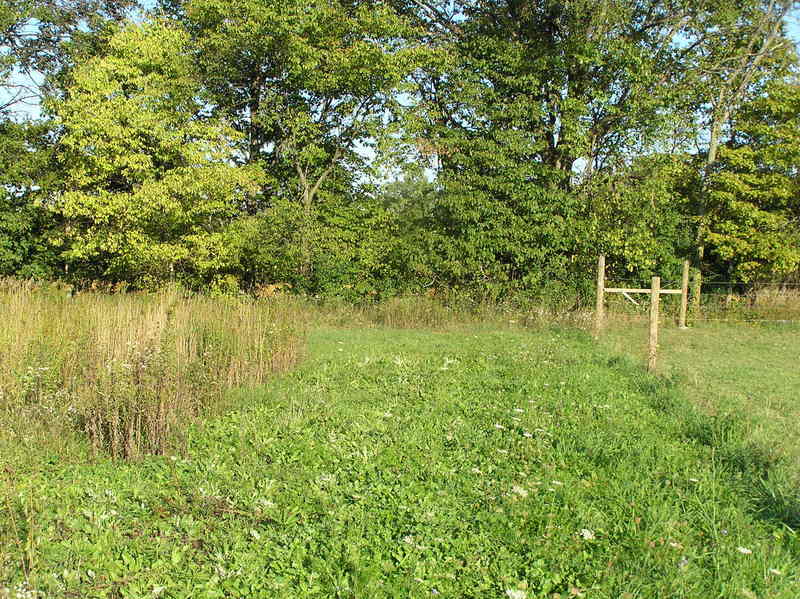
(748, 369)
(423, 464)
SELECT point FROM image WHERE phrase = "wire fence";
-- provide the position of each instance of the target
(767, 307)
(710, 283)
(702, 319)
(721, 300)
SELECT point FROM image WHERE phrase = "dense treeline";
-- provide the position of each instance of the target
(366, 147)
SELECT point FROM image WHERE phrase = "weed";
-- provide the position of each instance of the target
(131, 371)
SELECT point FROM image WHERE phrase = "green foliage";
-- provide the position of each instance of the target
(236, 145)
(571, 83)
(308, 83)
(352, 248)
(498, 229)
(149, 179)
(640, 217)
(754, 191)
(26, 167)
(24, 251)
(41, 39)
(412, 197)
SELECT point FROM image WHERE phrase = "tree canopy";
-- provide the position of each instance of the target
(148, 180)
(363, 147)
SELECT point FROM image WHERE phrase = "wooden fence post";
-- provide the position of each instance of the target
(684, 295)
(655, 296)
(599, 310)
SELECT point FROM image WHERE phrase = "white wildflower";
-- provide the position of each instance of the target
(516, 594)
(587, 534)
(519, 491)
(447, 363)
(499, 427)
(744, 550)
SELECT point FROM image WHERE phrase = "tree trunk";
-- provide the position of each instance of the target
(702, 216)
(305, 231)
(309, 192)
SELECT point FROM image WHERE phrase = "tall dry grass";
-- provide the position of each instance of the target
(130, 371)
(443, 313)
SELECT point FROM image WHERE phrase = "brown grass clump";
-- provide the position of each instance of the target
(132, 370)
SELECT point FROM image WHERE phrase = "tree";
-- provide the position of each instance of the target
(40, 38)
(584, 85)
(753, 206)
(530, 103)
(555, 94)
(26, 161)
(739, 49)
(640, 219)
(309, 85)
(150, 177)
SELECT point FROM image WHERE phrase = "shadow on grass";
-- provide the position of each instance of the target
(758, 470)
(774, 503)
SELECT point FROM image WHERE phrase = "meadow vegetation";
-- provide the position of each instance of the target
(731, 368)
(308, 311)
(417, 450)
(130, 371)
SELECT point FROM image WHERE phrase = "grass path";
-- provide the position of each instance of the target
(751, 369)
(419, 464)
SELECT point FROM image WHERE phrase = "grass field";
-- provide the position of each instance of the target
(749, 370)
(468, 461)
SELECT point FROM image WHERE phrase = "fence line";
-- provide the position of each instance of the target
(707, 282)
(642, 317)
(655, 292)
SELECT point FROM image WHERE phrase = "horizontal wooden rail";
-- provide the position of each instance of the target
(655, 292)
(662, 292)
